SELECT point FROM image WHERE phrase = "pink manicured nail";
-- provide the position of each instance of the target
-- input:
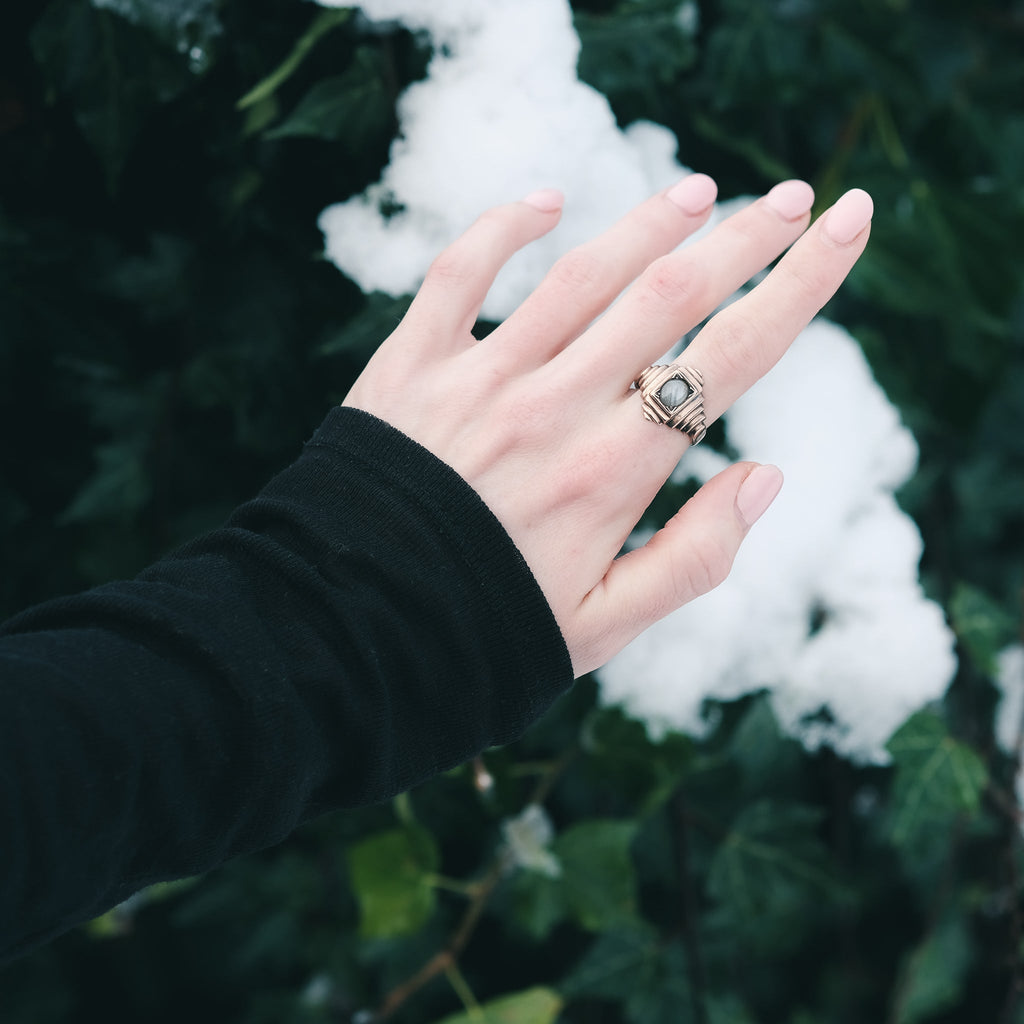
(791, 199)
(547, 200)
(757, 492)
(694, 194)
(849, 217)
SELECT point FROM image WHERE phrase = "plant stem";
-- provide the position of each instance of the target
(445, 961)
(321, 25)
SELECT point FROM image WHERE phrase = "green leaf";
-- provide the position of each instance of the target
(763, 754)
(634, 967)
(934, 974)
(113, 74)
(392, 876)
(938, 778)
(636, 48)
(647, 771)
(771, 874)
(616, 962)
(354, 108)
(532, 1006)
(188, 26)
(538, 903)
(666, 1000)
(598, 881)
(596, 884)
(982, 625)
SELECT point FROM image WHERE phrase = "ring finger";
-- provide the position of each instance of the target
(679, 290)
(742, 342)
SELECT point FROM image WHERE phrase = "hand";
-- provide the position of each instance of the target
(539, 417)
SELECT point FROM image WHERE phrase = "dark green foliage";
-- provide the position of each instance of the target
(169, 335)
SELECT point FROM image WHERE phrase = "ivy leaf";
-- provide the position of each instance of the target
(354, 108)
(937, 778)
(113, 74)
(531, 1006)
(188, 26)
(633, 967)
(637, 48)
(934, 973)
(982, 625)
(392, 876)
(666, 1000)
(615, 964)
(598, 881)
(538, 903)
(647, 771)
(770, 872)
(765, 757)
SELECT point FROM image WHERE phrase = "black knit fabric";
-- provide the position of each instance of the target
(361, 625)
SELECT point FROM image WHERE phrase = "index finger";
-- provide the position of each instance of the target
(744, 341)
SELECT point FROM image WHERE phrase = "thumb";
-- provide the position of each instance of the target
(689, 556)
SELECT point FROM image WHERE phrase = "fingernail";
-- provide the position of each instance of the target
(694, 194)
(849, 217)
(791, 199)
(547, 200)
(757, 492)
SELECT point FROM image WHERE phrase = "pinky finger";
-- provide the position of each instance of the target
(458, 280)
(692, 554)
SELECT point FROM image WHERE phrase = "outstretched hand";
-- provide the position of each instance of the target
(540, 419)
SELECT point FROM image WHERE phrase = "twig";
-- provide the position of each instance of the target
(445, 961)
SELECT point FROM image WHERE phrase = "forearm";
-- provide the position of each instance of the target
(361, 625)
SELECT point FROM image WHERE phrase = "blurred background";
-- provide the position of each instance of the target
(170, 333)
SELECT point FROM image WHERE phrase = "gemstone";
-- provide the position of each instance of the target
(673, 393)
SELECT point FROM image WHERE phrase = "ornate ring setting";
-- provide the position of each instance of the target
(674, 395)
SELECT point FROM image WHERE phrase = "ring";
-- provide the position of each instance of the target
(674, 395)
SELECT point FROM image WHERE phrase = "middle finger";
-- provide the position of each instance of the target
(679, 290)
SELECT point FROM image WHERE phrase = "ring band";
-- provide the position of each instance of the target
(674, 395)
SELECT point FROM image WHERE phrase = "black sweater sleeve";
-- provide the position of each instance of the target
(362, 624)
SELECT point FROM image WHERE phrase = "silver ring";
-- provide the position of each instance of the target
(674, 395)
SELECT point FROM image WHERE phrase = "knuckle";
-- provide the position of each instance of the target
(583, 479)
(525, 419)
(579, 270)
(451, 267)
(710, 566)
(744, 230)
(741, 345)
(811, 282)
(673, 282)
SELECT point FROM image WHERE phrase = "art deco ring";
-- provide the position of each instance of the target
(674, 395)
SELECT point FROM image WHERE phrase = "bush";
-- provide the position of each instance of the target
(169, 335)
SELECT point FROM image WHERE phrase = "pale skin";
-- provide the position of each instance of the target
(539, 417)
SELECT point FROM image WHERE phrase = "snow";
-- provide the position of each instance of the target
(492, 122)
(1009, 724)
(1010, 680)
(823, 608)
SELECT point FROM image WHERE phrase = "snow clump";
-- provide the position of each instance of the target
(1009, 723)
(500, 114)
(823, 607)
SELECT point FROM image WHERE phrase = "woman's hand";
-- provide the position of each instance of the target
(540, 420)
